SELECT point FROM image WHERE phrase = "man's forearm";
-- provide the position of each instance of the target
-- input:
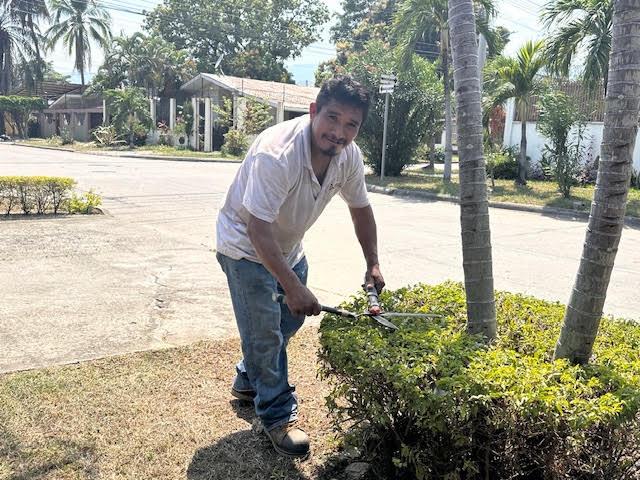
(364, 224)
(269, 253)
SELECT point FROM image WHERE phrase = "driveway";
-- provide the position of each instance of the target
(144, 275)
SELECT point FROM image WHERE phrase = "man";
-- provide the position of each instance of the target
(287, 178)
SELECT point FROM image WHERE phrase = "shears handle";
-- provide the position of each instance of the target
(278, 297)
(372, 298)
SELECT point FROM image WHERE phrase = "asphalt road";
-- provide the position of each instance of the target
(145, 276)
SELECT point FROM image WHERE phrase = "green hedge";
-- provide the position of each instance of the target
(430, 401)
(41, 195)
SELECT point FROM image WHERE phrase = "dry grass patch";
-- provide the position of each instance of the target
(544, 194)
(162, 415)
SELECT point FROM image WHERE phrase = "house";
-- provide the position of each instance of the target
(590, 104)
(66, 108)
(205, 90)
(75, 112)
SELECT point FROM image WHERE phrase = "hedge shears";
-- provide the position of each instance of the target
(374, 312)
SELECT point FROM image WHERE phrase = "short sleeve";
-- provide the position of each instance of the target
(354, 189)
(267, 187)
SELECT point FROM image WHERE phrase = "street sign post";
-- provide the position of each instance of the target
(387, 84)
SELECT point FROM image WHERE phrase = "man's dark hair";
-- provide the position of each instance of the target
(344, 89)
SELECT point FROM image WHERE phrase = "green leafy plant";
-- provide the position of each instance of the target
(84, 203)
(130, 113)
(106, 136)
(502, 164)
(66, 138)
(430, 401)
(19, 109)
(34, 192)
(415, 110)
(558, 116)
(235, 143)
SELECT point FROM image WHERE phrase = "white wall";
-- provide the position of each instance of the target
(535, 141)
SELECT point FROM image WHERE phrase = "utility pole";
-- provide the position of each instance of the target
(387, 84)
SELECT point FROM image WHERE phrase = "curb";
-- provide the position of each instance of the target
(401, 192)
(128, 155)
(42, 147)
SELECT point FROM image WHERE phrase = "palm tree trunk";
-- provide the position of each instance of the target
(474, 207)
(448, 150)
(582, 317)
(522, 160)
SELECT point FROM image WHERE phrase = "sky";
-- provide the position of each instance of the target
(519, 16)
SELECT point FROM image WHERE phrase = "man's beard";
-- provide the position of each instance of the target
(330, 152)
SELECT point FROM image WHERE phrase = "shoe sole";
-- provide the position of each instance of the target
(285, 452)
(245, 397)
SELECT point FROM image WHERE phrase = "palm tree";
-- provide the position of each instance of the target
(76, 22)
(474, 207)
(517, 78)
(580, 25)
(582, 317)
(422, 20)
(20, 37)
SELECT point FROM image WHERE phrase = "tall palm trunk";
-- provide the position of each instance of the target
(582, 317)
(474, 207)
(448, 149)
(522, 159)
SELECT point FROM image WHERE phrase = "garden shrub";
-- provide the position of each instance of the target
(430, 401)
(43, 195)
(235, 143)
(66, 138)
(502, 164)
(83, 203)
(107, 136)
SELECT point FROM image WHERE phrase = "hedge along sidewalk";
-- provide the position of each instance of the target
(132, 154)
(537, 196)
(45, 195)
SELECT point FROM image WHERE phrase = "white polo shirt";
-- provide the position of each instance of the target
(276, 183)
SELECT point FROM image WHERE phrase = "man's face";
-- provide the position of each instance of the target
(334, 126)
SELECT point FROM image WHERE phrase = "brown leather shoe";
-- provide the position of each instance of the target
(289, 440)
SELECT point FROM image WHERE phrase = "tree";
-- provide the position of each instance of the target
(254, 36)
(415, 108)
(474, 207)
(146, 61)
(76, 23)
(580, 26)
(606, 220)
(518, 78)
(19, 109)
(420, 20)
(130, 111)
(559, 113)
(20, 38)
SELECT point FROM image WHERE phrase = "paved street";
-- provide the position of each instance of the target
(145, 276)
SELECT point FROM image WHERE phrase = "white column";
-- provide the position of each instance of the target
(172, 114)
(196, 123)
(508, 121)
(239, 109)
(280, 112)
(208, 137)
(152, 111)
(104, 112)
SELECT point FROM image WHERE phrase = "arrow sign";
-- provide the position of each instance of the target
(386, 89)
(391, 78)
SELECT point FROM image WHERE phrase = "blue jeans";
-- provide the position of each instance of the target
(265, 329)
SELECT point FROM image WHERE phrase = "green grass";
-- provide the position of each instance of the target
(540, 193)
(156, 150)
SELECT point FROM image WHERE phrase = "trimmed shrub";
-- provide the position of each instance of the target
(430, 401)
(43, 195)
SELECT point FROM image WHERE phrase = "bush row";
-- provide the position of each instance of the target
(430, 401)
(40, 195)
